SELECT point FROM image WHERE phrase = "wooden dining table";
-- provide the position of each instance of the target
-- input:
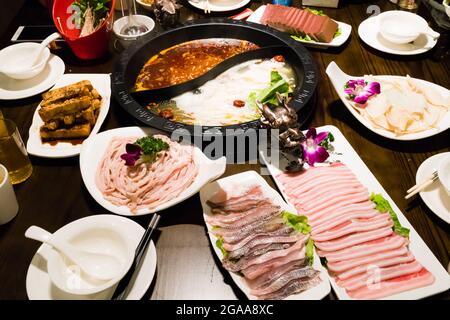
(187, 267)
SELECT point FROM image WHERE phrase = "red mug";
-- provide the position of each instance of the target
(92, 46)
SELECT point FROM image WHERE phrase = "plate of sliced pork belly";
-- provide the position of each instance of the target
(69, 113)
(265, 246)
(311, 27)
(369, 248)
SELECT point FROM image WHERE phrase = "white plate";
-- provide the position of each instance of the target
(368, 31)
(11, 89)
(35, 146)
(345, 153)
(434, 196)
(92, 152)
(339, 78)
(252, 178)
(338, 41)
(39, 286)
(217, 6)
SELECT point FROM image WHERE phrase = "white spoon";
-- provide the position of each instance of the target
(43, 45)
(97, 265)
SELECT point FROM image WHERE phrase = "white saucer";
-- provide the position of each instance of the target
(11, 89)
(434, 196)
(368, 31)
(39, 286)
(219, 7)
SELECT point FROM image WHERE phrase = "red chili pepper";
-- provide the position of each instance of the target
(238, 103)
(279, 58)
(166, 114)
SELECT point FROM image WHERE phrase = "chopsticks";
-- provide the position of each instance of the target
(122, 287)
(206, 9)
(421, 186)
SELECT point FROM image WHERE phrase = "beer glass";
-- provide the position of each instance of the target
(13, 154)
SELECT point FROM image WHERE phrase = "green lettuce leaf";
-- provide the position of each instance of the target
(316, 12)
(298, 223)
(268, 95)
(275, 77)
(382, 205)
(219, 244)
(302, 38)
(310, 251)
(307, 38)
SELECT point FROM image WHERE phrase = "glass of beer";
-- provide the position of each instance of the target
(13, 154)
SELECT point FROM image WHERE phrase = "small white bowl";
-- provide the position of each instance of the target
(146, 6)
(94, 235)
(402, 27)
(444, 173)
(126, 40)
(446, 5)
(12, 57)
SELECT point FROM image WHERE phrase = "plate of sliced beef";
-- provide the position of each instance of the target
(311, 27)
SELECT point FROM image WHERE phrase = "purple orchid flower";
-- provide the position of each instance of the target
(132, 155)
(312, 150)
(360, 91)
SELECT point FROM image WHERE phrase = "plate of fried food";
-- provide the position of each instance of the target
(68, 114)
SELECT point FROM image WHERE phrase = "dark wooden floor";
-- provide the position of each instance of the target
(187, 268)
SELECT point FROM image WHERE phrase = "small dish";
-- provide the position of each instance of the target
(337, 41)
(102, 237)
(35, 146)
(15, 56)
(369, 32)
(339, 78)
(402, 27)
(434, 196)
(126, 40)
(40, 287)
(92, 152)
(12, 89)
(444, 173)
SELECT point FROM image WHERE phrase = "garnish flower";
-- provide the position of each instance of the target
(143, 150)
(360, 90)
(315, 146)
(132, 155)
